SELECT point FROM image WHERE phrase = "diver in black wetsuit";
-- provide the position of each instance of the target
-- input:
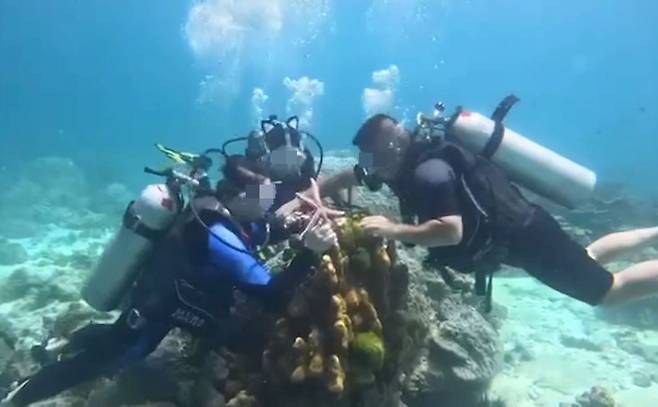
(188, 283)
(463, 208)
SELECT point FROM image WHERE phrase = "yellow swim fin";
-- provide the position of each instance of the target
(177, 156)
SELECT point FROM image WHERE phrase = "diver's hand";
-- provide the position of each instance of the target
(320, 237)
(379, 226)
(309, 199)
(288, 208)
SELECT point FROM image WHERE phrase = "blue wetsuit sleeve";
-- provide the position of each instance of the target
(227, 263)
(230, 260)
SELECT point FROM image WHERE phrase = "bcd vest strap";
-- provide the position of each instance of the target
(132, 221)
(499, 130)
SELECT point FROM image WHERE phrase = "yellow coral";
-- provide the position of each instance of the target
(352, 300)
(335, 308)
(381, 262)
(316, 365)
(364, 316)
(339, 306)
(342, 334)
(242, 399)
(346, 235)
(300, 372)
(329, 272)
(335, 375)
(327, 262)
(299, 344)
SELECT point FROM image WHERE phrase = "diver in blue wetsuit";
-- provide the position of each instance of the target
(188, 283)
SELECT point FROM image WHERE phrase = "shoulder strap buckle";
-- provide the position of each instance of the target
(499, 130)
(133, 221)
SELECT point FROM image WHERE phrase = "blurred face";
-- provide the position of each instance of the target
(286, 155)
(286, 162)
(382, 158)
(252, 204)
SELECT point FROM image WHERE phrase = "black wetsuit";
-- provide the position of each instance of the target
(532, 239)
(191, 293)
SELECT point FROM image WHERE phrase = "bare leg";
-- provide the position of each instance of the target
(633, 283)
(614, 245)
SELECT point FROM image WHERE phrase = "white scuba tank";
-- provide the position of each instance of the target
(119, 265)
(527, 163)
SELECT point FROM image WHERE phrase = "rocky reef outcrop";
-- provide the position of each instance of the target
(371, 327)
(595, 397)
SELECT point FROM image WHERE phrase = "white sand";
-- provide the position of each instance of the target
(538, 318)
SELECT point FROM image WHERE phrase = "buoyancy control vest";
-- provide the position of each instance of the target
(492, 208)
(171, 286)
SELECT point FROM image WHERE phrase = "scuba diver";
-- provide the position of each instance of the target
(279, 150)
(188, 281)
(452, 179)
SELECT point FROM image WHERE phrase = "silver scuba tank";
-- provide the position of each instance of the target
(144, 221)
(531, 165)
(525, 162)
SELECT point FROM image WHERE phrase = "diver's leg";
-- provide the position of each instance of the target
(614, 245)
(79, 340)
(635, 282)
(55, 378)
(103, 356)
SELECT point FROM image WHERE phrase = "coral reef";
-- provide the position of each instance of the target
(359, 331)
(33, 289)
(595, 397)
(462, 358)
(47, 182)
(332, 338)
(53, 190)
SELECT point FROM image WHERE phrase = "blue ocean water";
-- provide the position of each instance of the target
(99, 81)
(96, 83)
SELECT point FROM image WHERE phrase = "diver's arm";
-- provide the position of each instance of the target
(248, 274)
(333, 184)
(446, 231)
